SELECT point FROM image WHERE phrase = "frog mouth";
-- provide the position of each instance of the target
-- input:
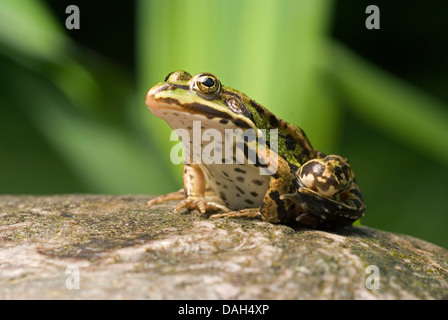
(171, 104)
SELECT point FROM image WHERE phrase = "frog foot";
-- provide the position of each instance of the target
(325, 211)
(251, 213)
(200, 203)
(178, 195)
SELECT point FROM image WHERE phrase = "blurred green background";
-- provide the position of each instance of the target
(73, 117)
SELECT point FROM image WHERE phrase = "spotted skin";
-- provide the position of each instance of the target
(306, 187)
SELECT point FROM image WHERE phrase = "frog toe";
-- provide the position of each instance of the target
(213, 206)
(200, 203)
(251, 213)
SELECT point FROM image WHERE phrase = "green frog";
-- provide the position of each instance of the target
(273, 174)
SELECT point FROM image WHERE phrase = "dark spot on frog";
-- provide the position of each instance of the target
(356, 202)
(257, 107)
(224, 121)
(249, 136)
(289, 142)
(239, 170)
(225, 174)
(254, 194)
(240, 190)
(240, 179)
(281, 210)
(273, 121)
(198, 108)
(340, 173)
(222, 196)
(260, 163)
(356, 193)
(257, 182)
(293, 167)
(314, 168)
(248, 201)
(240, 124)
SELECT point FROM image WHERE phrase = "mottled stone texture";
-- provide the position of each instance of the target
(125, 250)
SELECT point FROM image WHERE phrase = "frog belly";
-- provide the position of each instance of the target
(239, 186)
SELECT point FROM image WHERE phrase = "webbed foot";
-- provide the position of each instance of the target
(200, 203)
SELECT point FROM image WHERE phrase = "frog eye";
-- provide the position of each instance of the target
(207, 83)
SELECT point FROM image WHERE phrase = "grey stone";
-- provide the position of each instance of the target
(125, 250)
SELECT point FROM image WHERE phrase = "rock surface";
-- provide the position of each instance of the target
(120, 249)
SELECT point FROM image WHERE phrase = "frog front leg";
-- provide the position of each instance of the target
(194, 192)
(327, 193)
(193, 195)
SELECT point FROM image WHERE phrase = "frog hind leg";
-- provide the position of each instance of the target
(275, 209)
(328, 212)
